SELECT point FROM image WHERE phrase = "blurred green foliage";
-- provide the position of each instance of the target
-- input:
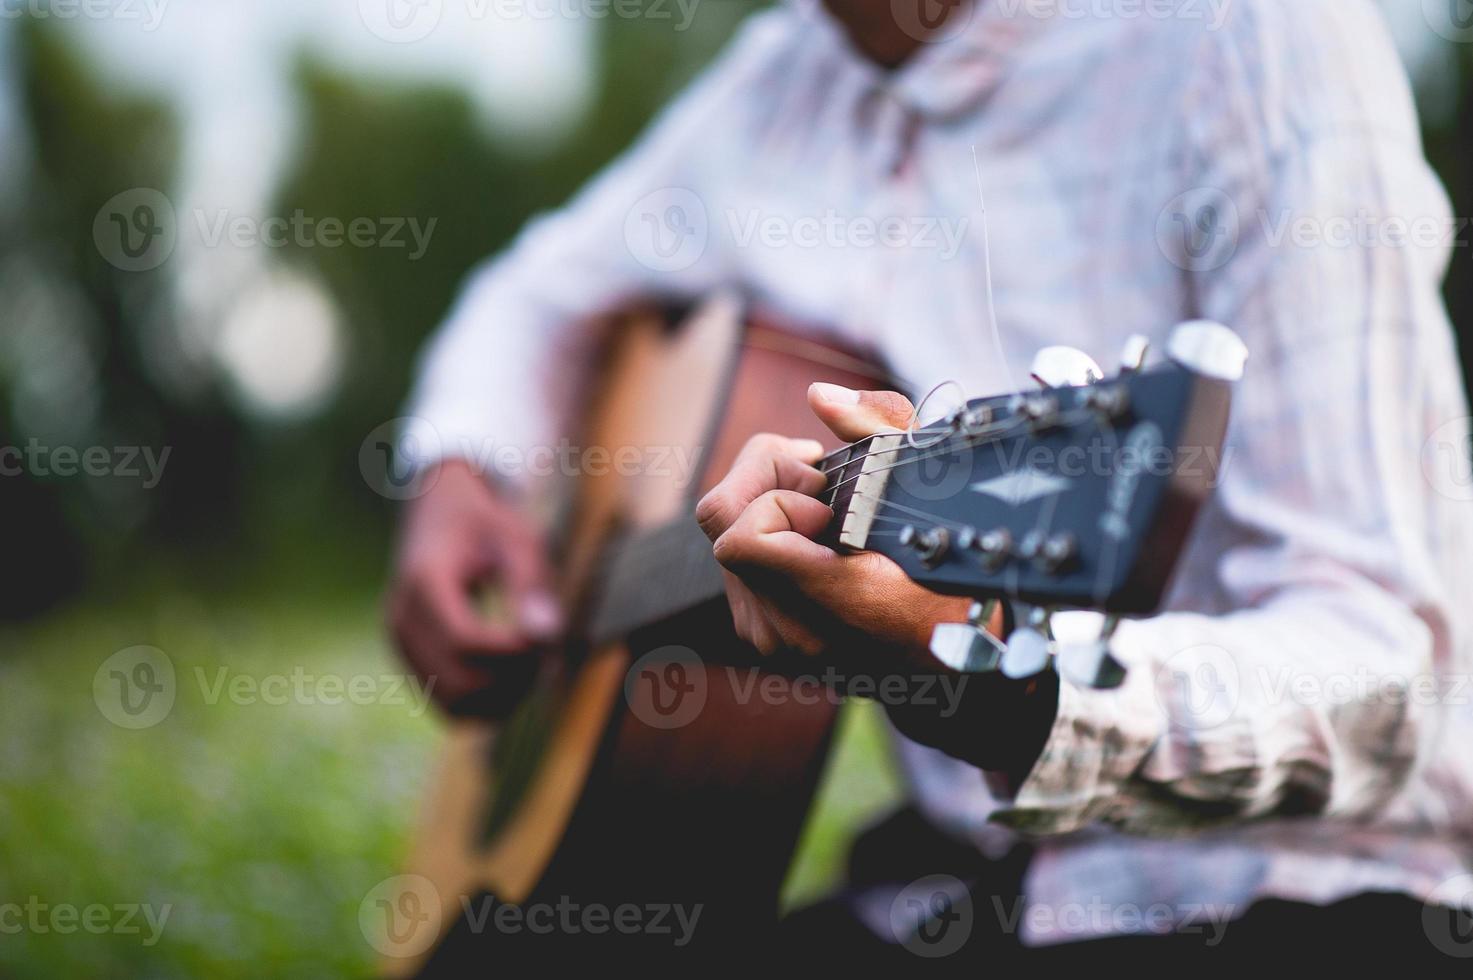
(269, 494)
(261, 826)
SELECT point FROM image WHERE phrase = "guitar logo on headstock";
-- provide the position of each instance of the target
(1022, 486)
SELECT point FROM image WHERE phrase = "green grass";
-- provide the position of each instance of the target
(260, 826)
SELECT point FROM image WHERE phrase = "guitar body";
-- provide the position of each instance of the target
(686, 780)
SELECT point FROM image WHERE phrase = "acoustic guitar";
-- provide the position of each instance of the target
(641, 769)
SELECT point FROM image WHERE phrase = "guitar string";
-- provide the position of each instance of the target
(1112, 546)
(944, 430)
(823, 464)
(992, 320)
(995, 428)
(915, 512)
(968, 443)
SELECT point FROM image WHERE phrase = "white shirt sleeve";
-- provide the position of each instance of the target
(1322, 692)
(504, 370)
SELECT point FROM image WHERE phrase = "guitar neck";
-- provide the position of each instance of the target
(652, 576)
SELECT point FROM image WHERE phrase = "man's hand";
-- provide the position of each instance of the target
(459, 539)
(789, 592)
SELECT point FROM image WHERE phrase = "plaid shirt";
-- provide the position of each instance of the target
(1301, 706)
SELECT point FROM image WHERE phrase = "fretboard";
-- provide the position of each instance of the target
(653, 576)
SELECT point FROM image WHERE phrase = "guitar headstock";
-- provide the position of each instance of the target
(1080, 494)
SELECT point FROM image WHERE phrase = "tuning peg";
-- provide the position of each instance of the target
(1029, 646)
(969, 647)
(1064, 367)
(1087, 661)
(1091, 665)
(1210, 349)
(932, 546)
(1133, 355)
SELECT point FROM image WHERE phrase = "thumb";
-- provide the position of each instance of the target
(528, 583)
(852, 415)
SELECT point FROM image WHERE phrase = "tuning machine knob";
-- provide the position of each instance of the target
(931, 546)
(1209, 349)
(1133, 355)
(994, 547)
(969, 648)
(1049, 553)
(1030, 645)
(1064, 367)
(1089, 662)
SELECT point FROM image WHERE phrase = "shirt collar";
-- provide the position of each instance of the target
(955, 71)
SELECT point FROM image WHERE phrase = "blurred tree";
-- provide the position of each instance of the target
(76, 318)
(404, 150)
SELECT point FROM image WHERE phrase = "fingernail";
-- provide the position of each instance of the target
(541, 616)
(836, 394)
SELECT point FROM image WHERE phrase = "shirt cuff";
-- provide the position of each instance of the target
(1099, 740)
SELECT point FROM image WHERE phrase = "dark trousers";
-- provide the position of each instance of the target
(977, 929)
(970, 927)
